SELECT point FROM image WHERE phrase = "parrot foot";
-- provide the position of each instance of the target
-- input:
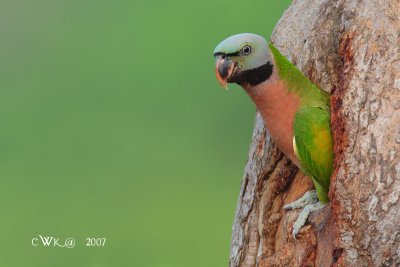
(309, 197)
(302, 218)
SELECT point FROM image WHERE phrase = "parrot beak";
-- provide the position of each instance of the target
(224, 69)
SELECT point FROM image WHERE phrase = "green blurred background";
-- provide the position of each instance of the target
(113, 125)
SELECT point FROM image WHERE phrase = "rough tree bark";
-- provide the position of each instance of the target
(350, 48)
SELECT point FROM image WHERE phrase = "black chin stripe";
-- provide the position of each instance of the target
(254, 76)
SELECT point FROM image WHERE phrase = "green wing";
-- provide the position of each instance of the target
(313, 145)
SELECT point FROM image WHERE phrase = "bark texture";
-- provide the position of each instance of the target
(350, 48)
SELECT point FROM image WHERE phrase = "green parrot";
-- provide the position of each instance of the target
(295, 111)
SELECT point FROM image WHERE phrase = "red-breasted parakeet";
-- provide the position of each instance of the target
(295, 111)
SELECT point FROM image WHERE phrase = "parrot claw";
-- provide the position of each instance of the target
(302, 218)
(309, 197)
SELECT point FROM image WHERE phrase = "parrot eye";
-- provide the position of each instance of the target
(246, 49)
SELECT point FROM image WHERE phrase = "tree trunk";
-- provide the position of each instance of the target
(350, 48)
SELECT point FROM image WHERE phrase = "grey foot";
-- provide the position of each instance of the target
(309, 197)
(302, 218)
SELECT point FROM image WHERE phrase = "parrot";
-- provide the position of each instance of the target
(295, 111)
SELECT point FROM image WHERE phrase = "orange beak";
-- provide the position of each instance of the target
(224, 69)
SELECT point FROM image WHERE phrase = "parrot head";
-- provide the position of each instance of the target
(243, 59)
